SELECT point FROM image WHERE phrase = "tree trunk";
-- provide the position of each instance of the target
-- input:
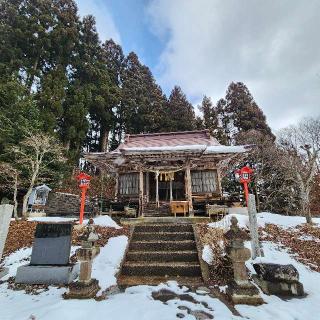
(27, 195)
(15, 193)
(104, 139)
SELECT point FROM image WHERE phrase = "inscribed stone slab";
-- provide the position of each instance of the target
(5, 217)
(52, 244)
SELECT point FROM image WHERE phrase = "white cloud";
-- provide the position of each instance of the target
(105, 24)
(271, 46)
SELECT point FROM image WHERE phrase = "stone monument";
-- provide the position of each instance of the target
(253, 226)
(240, 289)
(50, 256)
(86, 287)
(5, 217)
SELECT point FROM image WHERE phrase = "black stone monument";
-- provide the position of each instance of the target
(52, 244)
(50, 256)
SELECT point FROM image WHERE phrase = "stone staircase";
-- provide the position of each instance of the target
(151, 210)
(161, 252)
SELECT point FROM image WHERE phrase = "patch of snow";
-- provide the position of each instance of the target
(194, 147)
(291, 309)
(104, 221)
(281, 220)
(263, 218)
(107, 263)
(207, 254)
(52, 219)
(225, 149)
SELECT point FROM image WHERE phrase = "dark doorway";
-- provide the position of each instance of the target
(178, 188)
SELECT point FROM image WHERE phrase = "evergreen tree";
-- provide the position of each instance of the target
(180, 112)
(241, 112)
(143, 103)
(114, 59)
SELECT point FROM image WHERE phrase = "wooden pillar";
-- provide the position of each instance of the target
(219, 186)
(141, 193)
(157, 188)
(147, 187)
(116, 187)
(170, 183)
(189, 189)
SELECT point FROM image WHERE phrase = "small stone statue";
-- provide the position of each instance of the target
(240, 290)
(86, 287)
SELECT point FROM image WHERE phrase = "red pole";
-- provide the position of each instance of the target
(83, 199)
(246, 192)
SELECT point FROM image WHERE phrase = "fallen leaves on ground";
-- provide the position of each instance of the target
(21, 235)
(302, 241)
(221, 268)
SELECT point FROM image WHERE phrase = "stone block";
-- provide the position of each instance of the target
(280, 288)
(50, 275)
(3, 272)
(276, 272)
(52, 244)
(244, 294)
(82, 290)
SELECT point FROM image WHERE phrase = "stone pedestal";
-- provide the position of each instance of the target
(240, 290)
(57, 275)
(86, 287)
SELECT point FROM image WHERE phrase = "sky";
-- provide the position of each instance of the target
(273, 46)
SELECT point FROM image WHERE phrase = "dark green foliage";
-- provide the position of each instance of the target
(142, 100)
(181, 116)
(240, 112)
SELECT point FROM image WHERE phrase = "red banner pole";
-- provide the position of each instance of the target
(246, 192)
(83, 199)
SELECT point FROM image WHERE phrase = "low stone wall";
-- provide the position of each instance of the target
(66, 204)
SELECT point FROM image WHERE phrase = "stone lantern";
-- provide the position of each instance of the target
(240, 289)
(86, 287)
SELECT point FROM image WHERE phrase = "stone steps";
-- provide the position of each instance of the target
(162, 245)
(161, 252)
(163, 236)
(163, 228)
(182, 269)
(170, 256)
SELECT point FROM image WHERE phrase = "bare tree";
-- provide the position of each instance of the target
(302, 146)
(34, 155)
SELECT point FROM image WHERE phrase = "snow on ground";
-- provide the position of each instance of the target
(106, 264)
(292, 309)
(103, 221)
(263, 218)
(137, 302)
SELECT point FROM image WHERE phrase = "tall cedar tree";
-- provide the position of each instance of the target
(114, 59)
(142, 100)
(240, 113)
(181, 116)
(211, 119)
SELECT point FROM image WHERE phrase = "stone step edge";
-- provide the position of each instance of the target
(160, 241)
(162, 264)
(164, 252)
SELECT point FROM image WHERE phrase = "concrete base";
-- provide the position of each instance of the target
(244, 294)
(238, 210)
(3, 272)
(82, 290)
(164, 220)
(36, 214)
(29, 274)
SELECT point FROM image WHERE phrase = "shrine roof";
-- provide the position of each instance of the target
(168, 139)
